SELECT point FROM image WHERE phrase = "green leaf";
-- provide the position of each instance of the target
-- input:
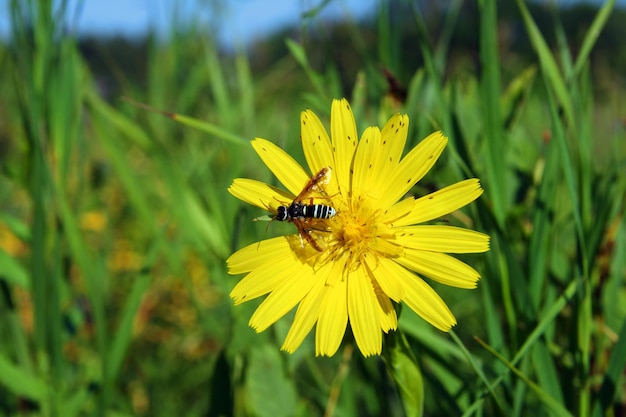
(76, 402)
(405, 371)
(210, 129)
(119, 120)
(515, 95)
(611, 381)
(20, 382)
(123, 334)
(548, 64)
(269, 392)
(556, 407)
(474, 363)
(12, 271)
(538, 250)
(492, 120)
(547, 319)
(592, 35)
(547, 372)
(298, 52)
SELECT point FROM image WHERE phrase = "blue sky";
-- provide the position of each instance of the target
(241, 21)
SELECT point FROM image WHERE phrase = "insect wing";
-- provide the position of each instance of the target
(316, 183)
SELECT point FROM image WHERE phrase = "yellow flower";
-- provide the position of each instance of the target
(371, 252)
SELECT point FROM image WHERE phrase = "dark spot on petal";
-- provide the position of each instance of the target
(370, 166)
(408, 181)
(397, 130)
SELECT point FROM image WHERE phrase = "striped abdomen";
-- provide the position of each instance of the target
(300, 211)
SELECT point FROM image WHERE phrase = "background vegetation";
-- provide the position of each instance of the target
(115, 221)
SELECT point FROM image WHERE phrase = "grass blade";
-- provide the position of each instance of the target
(555, 406)
(21, 383)
(492, 118)
(592, 36)
(547, 63)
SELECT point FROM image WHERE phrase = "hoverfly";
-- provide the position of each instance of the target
(300, 213)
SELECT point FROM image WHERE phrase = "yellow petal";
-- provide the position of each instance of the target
(385, 246)
(393, 139)
(413, 167)
(434, 205)
(367, 153)
(448, 239)
(344, 140)
(363, 313)
(440, 267)
(317, 148)
(333, 319)
(398, 211)
(422, 299)
(296, 283)
(259, 253)
(286, 169)
(267, 276)
(306, 316)
(387, 318)
(385, 272)
(259, 194)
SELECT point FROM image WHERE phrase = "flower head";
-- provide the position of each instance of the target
(351, 267)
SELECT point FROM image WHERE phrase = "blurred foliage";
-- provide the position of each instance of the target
(115, 221)
(351, 45)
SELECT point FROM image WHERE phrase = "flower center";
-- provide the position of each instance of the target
(353, 232)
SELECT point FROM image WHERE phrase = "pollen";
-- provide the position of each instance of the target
(354, 232)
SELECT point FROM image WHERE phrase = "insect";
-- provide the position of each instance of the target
(301, 214)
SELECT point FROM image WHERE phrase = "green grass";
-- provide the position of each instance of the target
(116, 223)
